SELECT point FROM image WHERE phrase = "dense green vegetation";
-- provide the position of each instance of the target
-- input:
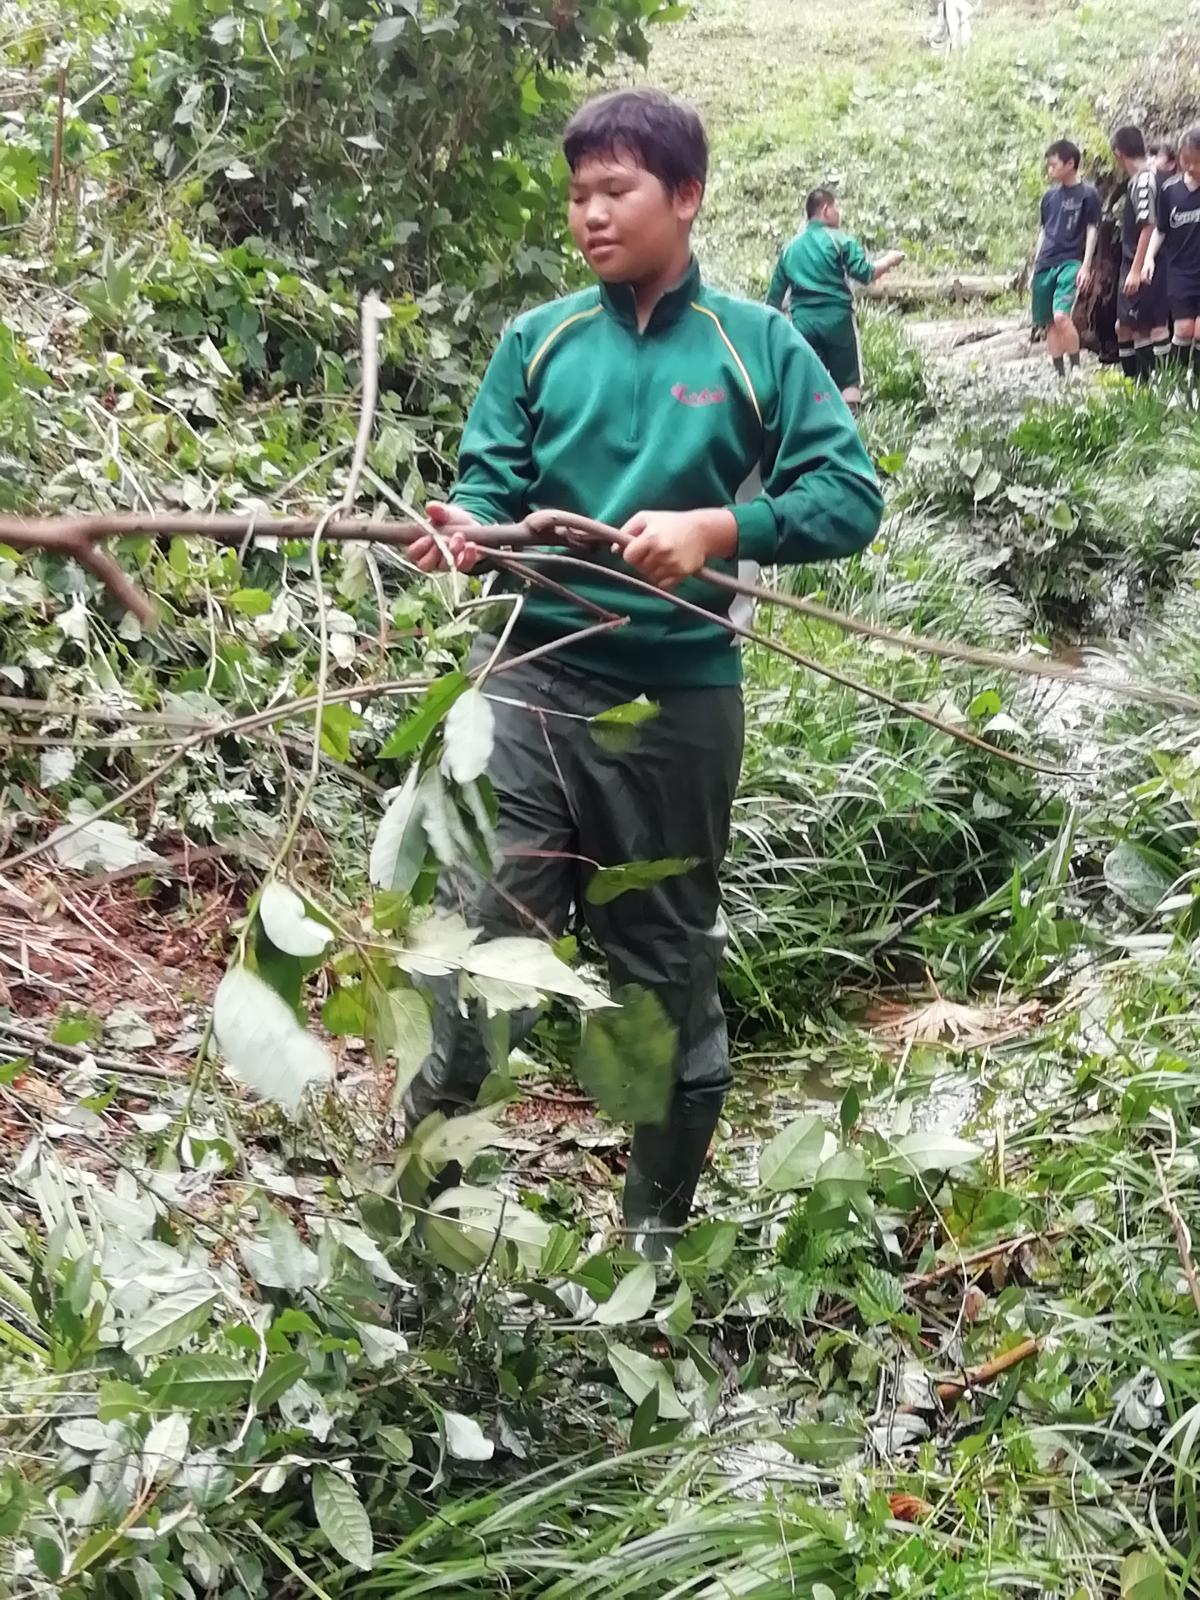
(243, 1354)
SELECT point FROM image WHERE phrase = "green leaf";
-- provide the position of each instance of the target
(342, 1517)
(987, 483)
(677, 1318)
(399, 848)
(607, 883)
(402, 1031)
(704, 1250)
(281, 1260)
(251, 602)
(823, 1443)
(435, 705)
(469, 736)
(1061, 517)
(626, 1058)
(615, 730)
(165, 1448)
(1139, 876)
(119, 1400)
(278, 1377)
(76, 1030)
(338, 722)
(931, 1152)
(1143, 1577)
(630, 1300)
(198, 1383)
(345, 1011)
(850, 1109)
(638, 1374)
(48, 1555)
(793, 1155)
(263, 1043)
(168, 1322)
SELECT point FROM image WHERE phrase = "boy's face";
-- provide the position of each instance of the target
(831, 215)
(1058, 170)
(627, 225)
(1165, 164)
(1189, 160)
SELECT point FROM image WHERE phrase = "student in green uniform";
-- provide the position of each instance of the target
(813, 274)
(704, 427)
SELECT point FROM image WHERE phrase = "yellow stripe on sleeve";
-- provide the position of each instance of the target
(579, 316)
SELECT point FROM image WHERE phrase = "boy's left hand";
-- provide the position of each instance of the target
(667, 546)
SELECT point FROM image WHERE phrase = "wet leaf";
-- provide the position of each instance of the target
(639, 1374)
(165, 1448)
(465, 1439)
(288, 924)
(793, 1155)
(1139, 876)
(170, 1321)
(630, 1300)
(411, 735)
(469, 736)
(626, 1058)
(343, 1518)
(607, 883)
(263, 1043)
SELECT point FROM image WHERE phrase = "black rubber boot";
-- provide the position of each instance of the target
(665, 1163)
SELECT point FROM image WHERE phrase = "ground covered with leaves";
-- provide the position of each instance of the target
(934, 1327)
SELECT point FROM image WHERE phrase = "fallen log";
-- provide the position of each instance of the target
(955, 287)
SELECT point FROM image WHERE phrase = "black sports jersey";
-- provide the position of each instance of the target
(1179, 220)
(1141, 209)
(1068, 211)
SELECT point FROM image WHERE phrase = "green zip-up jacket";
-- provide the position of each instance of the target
(817, 268)
(717, 403)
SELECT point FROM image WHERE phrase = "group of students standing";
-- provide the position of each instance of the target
(1158, 288)
(1158, 291)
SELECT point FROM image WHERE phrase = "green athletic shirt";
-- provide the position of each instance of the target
(817, 267)
(718, 402)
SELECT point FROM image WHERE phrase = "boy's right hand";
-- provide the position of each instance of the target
(1147, 270)
(450, 521)
(1133, 281)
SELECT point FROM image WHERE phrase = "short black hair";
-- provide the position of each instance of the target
(1164, 147)
(1065, 151)
(1191, 139)
(816, 200)
(1130, 142)
(662, 134)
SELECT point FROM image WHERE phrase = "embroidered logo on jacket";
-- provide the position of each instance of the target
(698, 397)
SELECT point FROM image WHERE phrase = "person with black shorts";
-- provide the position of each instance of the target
(1143, 338)
(1177, 240)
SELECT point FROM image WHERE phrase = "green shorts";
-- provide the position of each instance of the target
(1054, 290)
(834, 338)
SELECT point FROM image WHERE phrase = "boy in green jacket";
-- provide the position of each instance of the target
(708, 431)
(814, 273)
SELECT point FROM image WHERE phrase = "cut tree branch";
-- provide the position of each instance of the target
(77, 538)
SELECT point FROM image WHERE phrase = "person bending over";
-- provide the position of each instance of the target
(814, 275)
(1176, 243)
(1066, 243)
(706, 429)
(1143, 337)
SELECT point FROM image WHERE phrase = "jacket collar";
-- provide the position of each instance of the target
(620, 301)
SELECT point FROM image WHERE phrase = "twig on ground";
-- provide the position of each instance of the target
(972, 1377)
(1182, 1236)
(959, 1267)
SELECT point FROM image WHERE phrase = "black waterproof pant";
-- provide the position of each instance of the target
(561, 792)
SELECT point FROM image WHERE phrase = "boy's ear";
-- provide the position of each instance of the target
(688, 199)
